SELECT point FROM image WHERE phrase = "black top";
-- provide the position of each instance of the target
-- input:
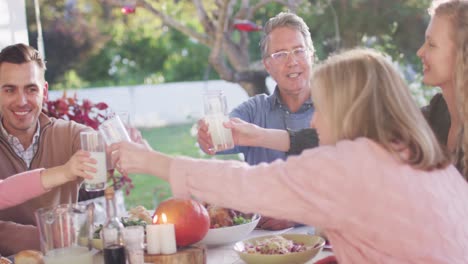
(438, 117)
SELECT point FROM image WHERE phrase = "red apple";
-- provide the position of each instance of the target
(190, 218)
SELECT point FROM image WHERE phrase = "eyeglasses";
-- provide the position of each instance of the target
(282, 56)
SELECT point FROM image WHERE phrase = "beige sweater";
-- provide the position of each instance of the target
(58, 141)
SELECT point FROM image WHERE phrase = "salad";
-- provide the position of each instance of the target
(275, 245)
(125, 221)
(137, 216)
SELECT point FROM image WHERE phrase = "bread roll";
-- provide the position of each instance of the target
(4, 260)
(29, 257)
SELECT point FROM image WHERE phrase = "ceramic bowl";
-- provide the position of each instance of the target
(296, 258)
(230, 234)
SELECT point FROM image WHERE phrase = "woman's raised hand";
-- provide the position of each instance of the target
(244, 133)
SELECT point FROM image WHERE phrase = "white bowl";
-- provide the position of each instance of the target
(230, 234)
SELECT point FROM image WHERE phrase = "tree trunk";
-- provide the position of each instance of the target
(253, 82)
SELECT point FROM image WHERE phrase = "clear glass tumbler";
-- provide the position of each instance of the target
(215, 114)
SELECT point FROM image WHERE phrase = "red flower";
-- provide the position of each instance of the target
(101, 106)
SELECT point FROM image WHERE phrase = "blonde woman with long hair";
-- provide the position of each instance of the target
(379, 185)
(443, 55)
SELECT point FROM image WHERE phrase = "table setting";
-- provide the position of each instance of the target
(149, 236)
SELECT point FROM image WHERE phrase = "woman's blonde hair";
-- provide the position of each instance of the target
(457, 13)
(361, 94)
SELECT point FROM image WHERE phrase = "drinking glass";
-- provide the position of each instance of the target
(124, 117)
(113, 130)
(92, 142)
(134, 239)
(215, 115)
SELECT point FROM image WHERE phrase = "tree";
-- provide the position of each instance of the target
(229, 55)
(72, 32)
(341, 24)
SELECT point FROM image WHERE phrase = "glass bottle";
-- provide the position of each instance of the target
(114, 252)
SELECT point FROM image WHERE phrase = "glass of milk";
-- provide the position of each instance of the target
(215, 114)
(93, 142)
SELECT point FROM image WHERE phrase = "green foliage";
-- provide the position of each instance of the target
(70, 80)
(147, 54)
(352, 20)
(70, 33)
(129, 58)
(189, 62)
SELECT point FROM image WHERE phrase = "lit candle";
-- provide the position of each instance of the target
(153, 237)
(167, 237)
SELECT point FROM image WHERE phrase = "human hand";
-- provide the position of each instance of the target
(243, 133)
(128, 157)
(135, 136)
(269, 223)
(80, 164)
(204, 138)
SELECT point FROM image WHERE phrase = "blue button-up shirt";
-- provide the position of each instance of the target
(269, 112)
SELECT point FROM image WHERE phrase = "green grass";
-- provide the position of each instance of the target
(173, 140)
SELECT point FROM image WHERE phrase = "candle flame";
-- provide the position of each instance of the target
(164, 218)
(155, 219)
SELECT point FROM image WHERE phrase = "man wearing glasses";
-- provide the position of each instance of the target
(287, 52)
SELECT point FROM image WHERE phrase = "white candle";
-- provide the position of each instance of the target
(153, 244)
(167, 236)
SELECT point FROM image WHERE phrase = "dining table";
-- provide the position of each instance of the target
(225, 254)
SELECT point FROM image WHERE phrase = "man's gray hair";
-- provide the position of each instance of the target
(285, 19)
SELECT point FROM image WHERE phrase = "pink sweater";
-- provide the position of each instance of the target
(374, 208)
(20, 188)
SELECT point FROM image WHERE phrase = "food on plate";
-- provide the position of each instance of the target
(274, 245)
(223, 217)
(29, 257)
(190, 219)
(4, 260)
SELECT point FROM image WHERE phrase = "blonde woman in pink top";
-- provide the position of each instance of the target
(27, 185)
(380, 185)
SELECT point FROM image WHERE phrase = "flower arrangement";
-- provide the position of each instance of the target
(90, 114)
(81, 111)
